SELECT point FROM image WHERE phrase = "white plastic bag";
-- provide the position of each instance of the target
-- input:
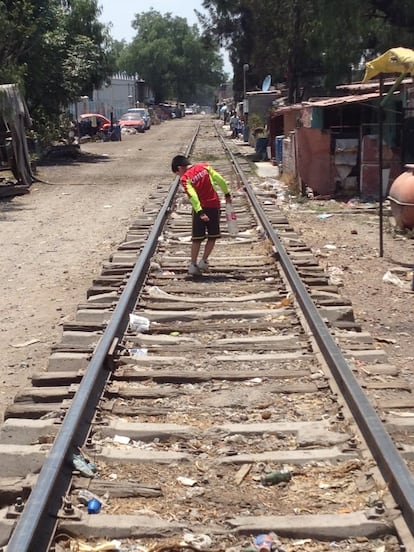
(231, 219)
(138, 323)
(391, 278)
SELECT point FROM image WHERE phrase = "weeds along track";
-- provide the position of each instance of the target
(222, 410)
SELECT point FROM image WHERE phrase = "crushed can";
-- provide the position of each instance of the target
(276, 477)
(94, 506)
(85, 496)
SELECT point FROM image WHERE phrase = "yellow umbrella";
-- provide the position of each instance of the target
(396, 60)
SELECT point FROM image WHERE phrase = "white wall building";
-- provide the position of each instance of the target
(122, 93)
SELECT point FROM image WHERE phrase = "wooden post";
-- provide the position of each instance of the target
(380, 163)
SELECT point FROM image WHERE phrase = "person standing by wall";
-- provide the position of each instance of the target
(234, 124)
(199, 182)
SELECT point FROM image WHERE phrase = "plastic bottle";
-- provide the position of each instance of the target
(275, 477)
(231, 219)
(263, 543)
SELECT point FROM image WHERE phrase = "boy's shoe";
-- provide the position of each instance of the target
(203, 266)
(193, 270)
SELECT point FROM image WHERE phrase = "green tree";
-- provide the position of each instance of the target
(171, 56)
(306, 42)
(116, 52)
(88, 61)
(283, 38)
(231, 23)
(19, 29)
(55, 51)
(397, 13)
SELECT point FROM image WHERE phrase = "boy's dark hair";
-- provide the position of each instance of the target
(179, 161)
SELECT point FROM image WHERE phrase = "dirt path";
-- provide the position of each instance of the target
(55, 239)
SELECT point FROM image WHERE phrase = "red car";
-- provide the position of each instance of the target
(132, 120)
(98, 126)
(91, 123)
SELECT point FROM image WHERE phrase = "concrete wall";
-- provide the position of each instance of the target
(261, 103)
(289, 155)
(314, 160)
(122, 93)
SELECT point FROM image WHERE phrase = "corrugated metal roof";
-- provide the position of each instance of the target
(328, 102)
(341, 100)
(263, 93)
(285, 108)
(372, 85)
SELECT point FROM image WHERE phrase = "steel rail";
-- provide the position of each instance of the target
(37, 522)
(391, 464)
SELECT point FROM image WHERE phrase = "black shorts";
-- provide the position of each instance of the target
(211, 229)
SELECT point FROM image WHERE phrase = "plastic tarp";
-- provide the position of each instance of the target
(14, 112)
(396, 60)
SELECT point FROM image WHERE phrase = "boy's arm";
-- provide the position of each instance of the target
(192, 196)
(217, 179)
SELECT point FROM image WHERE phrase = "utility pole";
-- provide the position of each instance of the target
(246, 67)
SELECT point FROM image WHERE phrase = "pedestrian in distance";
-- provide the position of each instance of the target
(200, 182)
(234, 125)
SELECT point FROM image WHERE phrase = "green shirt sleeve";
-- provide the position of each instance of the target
(193, 197)
(218, 180)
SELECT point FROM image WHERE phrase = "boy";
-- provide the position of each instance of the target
(199, 182)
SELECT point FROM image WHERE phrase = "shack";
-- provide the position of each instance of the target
(14, 151)
(330, 145)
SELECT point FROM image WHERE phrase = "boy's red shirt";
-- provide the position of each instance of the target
(199, 183)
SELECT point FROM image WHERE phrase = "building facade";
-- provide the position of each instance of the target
(115, 98)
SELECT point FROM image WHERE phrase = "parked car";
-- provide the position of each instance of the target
(97, 125)
(145, 114)
(132, 120)
(91, 123)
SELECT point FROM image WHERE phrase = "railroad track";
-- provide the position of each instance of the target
(228, 407)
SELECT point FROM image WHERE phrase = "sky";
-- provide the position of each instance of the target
(120, 13)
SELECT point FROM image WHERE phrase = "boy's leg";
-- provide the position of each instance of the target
(195, 249)
(213, 232)
(198, 233)
(208, 248)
